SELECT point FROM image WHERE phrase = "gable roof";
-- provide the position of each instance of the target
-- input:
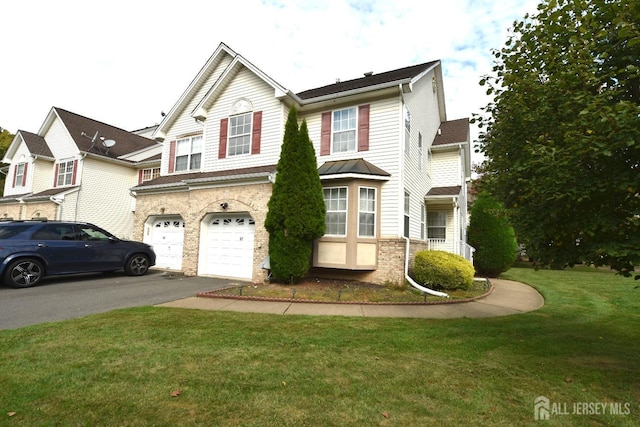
(83, 130)
(452, 132)
(386, 79)
(237, 62)
(36, 144)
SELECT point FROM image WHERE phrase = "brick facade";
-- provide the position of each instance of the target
(29, 210)
(194, 205)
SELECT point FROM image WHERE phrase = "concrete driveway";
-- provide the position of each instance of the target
(60, 298)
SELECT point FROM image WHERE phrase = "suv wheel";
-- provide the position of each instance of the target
(137, 265)
(24, 273)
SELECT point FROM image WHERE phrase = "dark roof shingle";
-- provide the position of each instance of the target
(445, 191)
(126, 142)
(452, 132)
(167, 180)
(355, 166)
(36, 144)
(372, 80)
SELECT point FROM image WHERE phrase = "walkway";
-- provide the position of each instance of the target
(507, 298)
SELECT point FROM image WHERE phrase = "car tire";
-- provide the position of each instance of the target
(24, 273)
(137, 265)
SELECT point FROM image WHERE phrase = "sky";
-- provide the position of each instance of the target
(123, 62)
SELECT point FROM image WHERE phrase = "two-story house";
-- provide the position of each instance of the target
(78, 169)
(378, 145)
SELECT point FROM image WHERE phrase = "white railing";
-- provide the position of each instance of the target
(457, 247)
(467, 251)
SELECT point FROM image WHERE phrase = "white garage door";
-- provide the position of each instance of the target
(167, 239)
(227, 246)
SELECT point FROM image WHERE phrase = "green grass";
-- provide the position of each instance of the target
(238, 369)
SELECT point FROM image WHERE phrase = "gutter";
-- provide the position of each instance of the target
(413, 282)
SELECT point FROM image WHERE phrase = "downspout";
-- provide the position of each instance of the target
(406, 255)
(413, 282)
(58, 208)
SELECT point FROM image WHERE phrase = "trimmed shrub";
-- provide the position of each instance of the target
(492, 236)
(442, 270)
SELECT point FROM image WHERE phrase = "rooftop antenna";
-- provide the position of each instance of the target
(107, 143)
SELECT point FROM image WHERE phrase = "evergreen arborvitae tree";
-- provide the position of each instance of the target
(296, 215)
(492, 236)
(5, 141)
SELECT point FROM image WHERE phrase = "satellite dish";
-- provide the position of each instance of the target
(108, 143)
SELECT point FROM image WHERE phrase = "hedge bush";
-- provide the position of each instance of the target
(442, 270)
(492, 236)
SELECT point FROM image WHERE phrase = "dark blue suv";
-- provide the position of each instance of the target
(31, 250)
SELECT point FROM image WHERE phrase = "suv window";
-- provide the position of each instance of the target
(8, 231)
(55, 232)
(90, 233)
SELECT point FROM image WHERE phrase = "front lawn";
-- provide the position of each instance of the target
(169, 366)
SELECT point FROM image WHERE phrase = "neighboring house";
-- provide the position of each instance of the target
(393, 169)
(78, 169)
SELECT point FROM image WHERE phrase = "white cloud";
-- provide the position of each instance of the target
(123, 62)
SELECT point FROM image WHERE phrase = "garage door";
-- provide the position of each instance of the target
(228, 246)
(167, 239)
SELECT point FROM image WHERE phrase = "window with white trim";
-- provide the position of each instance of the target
(19, 180)
(437, 225)
(150, 173)
(406, 213)
(407, 130)
(65, 173)
(188, 153)
(367, 212)
(240, 134)
(344, 130)
(335, 201)
(420, 160)
(423, 219)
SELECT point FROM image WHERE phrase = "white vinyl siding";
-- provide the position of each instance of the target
(446, 168)
(42, 175)
(105, 184)
(185, 124)
(383, 127)
(273, 119)
(426, 116)
(60, 142)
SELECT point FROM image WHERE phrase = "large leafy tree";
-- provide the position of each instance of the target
(296, 215)
(562, 135)
(5, 140)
